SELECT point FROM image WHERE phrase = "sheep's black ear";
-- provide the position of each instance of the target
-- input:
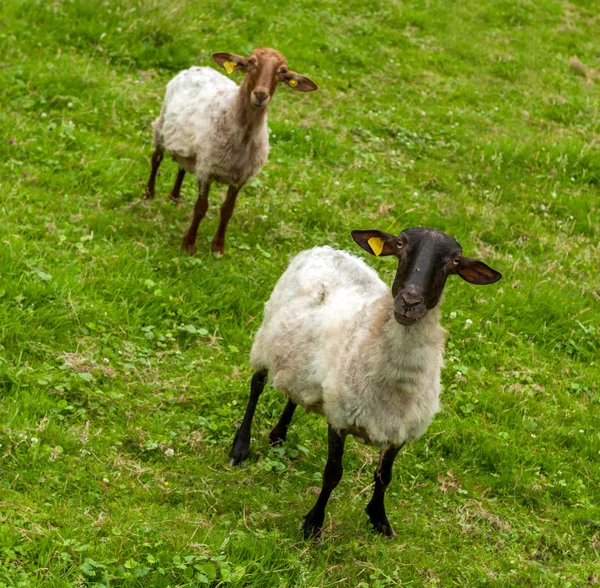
(299, 82)
(376, 242)
(230, 61)
(477, 272)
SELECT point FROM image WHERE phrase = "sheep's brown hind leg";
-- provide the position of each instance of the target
(157, 157)
(218, 243)
(189, 240)
(383, 476)
(175, 194)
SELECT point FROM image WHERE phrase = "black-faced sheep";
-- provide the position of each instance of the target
(336, 341)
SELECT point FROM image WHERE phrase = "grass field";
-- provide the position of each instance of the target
(123, 363)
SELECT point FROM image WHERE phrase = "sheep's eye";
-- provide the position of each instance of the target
(456, 260)
(251, 62)
(283, 70)
(399, 245)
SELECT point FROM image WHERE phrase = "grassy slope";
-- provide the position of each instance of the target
(115, 349)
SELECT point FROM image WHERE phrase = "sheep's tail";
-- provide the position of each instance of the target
(158, 139)
(258, 356)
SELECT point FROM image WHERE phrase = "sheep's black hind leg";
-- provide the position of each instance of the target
(241, 442)
(157, 157)
(383, 476)
(313, 521)
(175, 194)
(279, 432)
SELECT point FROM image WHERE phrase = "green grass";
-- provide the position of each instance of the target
(123, 363)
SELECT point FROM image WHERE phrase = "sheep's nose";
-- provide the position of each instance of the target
(260, 96)
(411, 301)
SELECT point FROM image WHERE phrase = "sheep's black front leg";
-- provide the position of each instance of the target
(313, 521)
(241, 442)
(157, 157)
(279, 432)
(383, 476)
(175, 194)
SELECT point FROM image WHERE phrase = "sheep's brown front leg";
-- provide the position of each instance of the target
(157, 157)
(313, 521)
(218, 243)
(175, 194)
(189, 240)
(383, 476)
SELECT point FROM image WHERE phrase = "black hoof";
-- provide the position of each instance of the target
(239, 452)
(277, 437)
(311, 531)
(380, 522)
(313, 526)
(384, 528)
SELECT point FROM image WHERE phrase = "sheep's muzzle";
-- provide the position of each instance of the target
(408, 309)
(260, 98)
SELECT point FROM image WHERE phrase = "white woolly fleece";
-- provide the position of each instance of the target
(198, 125)
(332, 345)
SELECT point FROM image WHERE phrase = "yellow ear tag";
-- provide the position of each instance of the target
(292, 82)
(229, 66)
(376, 245)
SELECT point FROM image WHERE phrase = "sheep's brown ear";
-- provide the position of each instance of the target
(299, 82)
(477, 272)
(230, 61)
(376, 242)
